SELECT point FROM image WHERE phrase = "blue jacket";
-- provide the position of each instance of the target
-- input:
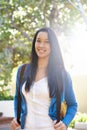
(68, 94)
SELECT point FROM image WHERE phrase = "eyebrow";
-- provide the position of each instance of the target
(45, 39)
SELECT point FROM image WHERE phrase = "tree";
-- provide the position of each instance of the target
(18, 21)
(80, 8)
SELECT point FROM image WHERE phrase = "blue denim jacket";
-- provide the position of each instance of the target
(68, 94)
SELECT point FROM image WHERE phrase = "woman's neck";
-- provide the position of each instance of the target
(42, 63)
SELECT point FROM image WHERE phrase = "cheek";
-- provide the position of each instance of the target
(49, 49)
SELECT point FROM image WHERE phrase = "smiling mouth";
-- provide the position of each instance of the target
(41, 51)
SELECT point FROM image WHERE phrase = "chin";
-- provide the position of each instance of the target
(43, 57)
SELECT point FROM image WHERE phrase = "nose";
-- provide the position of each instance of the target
(41, 44)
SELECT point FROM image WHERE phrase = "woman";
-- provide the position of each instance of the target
(45, 85)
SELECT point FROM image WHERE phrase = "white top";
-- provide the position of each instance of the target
(38, 102)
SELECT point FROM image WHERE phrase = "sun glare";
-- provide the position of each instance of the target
(79, 51)
(74, 50)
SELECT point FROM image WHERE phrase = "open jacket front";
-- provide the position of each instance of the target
(68, 94)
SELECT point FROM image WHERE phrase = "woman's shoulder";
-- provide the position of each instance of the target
(26, 65)
(23, 68)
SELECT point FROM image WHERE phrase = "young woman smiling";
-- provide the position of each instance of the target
(45, 84)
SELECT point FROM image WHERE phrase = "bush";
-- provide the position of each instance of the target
(80, 117)
(5, 96)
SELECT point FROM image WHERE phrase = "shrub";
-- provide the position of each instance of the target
(80, 117)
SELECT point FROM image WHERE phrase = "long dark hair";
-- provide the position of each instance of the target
(54, 68)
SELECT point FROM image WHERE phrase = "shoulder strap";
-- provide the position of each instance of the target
(19, 95)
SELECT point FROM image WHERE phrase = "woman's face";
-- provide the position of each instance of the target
(42, 45)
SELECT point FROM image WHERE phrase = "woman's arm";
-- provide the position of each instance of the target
(16, 91)
(70, 100)
(14, 123)
(71, 105)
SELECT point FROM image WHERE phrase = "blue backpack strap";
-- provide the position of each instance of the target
(19, 95)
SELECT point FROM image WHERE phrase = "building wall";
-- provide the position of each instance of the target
(80, 88)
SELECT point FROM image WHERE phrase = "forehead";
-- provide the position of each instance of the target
(42, 35)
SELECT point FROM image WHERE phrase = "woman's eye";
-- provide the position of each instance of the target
(47, 41)
(42, 41)
(38, 40)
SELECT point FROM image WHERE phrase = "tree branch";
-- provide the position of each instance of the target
(20, 30)
(80, 9)
(73, 4)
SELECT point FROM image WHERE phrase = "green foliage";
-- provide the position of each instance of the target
(4, 95)
(80, 117)
(19, 19)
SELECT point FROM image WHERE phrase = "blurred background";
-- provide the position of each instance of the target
(19, 20)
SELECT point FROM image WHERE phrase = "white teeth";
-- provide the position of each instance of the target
(41, 51)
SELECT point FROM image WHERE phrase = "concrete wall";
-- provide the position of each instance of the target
(80, 88)
(7, 107)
